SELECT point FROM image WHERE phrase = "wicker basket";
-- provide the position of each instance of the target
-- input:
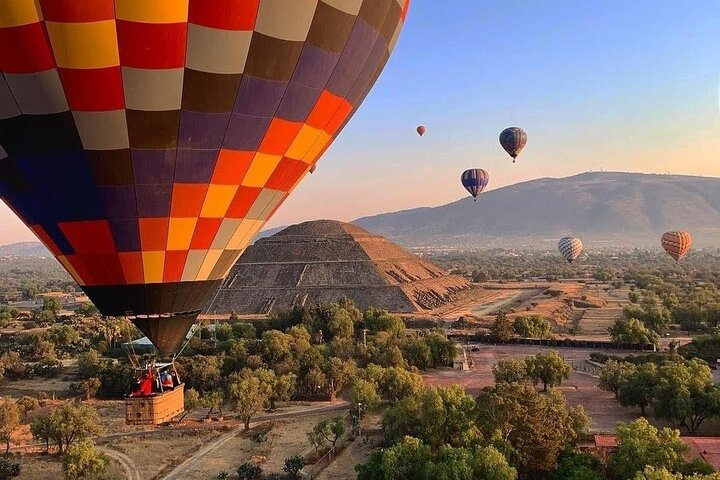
(157, 409)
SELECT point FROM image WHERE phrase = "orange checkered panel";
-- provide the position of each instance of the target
(146, 142)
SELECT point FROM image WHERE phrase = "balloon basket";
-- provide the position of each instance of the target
(156, 409)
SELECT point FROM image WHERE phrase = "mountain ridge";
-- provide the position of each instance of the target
(621, 209)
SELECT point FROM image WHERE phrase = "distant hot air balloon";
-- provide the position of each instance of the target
(421, 130)
(570, 248)
(145, 145)
(513, 140)
(475, 180)
(676, 244)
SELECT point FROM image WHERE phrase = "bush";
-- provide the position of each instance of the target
(8, 468)
(293, 465)
(249, 471)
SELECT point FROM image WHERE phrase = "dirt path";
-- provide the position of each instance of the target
(126, 462)
(181, 470)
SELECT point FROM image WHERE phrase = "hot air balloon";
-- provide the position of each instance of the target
(570, 248)
(421, 130)
(513, 140)
(676, 244)
(475, 180)
(145, 145)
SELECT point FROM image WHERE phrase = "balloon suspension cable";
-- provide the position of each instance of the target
(130, 349)
(185, 344)
(474, 199)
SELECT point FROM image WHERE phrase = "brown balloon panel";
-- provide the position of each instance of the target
(167, 333)
(164, 312)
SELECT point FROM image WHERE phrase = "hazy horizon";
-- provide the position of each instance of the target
(617, 86)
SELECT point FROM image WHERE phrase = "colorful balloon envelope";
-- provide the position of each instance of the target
(421, 130)
(676, 244)
(475, 180)
(570, 248)
(513, 140)
(145, 143)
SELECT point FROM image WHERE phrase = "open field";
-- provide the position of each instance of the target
(36, 466)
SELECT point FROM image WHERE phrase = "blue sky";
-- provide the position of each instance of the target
(597, 84)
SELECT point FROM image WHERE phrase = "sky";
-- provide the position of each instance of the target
(598, 85)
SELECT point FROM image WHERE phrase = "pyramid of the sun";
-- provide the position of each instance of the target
(323, 261)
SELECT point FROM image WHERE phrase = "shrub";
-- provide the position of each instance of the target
(249, 471)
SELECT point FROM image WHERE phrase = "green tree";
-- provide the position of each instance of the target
(640, 445)
(293, 465)
(513, 370)
(397, 383)
(502, 327)
(9, 421)
(8, 468)
(200, 372)
(27, 404)
(442, 350)
(550, 369)
(613, 374)
(53, 305)
(437, 416)
(632, 331)
(89, 364)
(638, 386)
(213, 401)
(83, 460)
(89, 387)
(685, 394)
(364, 393)
(192, 402)
(532, 326)
(71, 422)
(579, 466)
(41, 429)
(536, 427)
(416, 353)
(250, 394)
(338, 374)
(249, 471)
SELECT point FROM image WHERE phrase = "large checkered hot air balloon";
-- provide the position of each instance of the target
(145, 142)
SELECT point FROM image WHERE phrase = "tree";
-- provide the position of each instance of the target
(579, 466)
(397, 383)
(502, 327)
(632, 331)
(532, 326)
(87, 309)
(52, 305)
(613, 374)
(638, 386)
(442, 350)
(640, 445)
(409, 458)
(82, 460)
(685, 394)
(89, 387)
(213, 401)
(250, 394)
(89, 364)
(536, 427)
(249, 471)
(27, 404)
(9, 421)
(68, 423)
(192, 402)
(509, 371)
(200, 372)
(8, 468)
(326, 431)
(550, 369)
(293, 465)
(41, 430)
(364, 393)
(416, 353)
(437, 416)
(338, 374)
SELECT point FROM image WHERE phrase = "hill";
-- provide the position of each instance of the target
(24, 250)
(606, 209)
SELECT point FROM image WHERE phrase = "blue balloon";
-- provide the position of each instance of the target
(475, 180)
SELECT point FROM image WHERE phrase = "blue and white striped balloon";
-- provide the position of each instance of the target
(475, 180)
